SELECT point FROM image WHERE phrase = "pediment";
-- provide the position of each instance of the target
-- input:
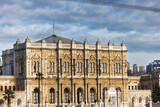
(92, 57)
(79, 56)
(117, 58)
(36, 56)
(104, 57)
(51, 56)
(66, 56)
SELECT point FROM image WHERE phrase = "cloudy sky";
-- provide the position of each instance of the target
(139, 29)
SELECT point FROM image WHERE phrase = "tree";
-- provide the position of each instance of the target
(39, 77)
(9, 94)
(156, 94)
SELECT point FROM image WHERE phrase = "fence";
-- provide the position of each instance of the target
(156, 104)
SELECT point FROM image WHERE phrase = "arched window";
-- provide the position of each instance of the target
(135, 87)
(19, 102)
(1, 88)
(36, 66)
(9, 87)
(36, 96)
(92, 95)
(66, 66)
(118, 96)
(92, 67)
(132, 87)
(5, 88)
(66, 95)
(147, 100)
(140, 99)
(52, 95)
(133, 101)
(51, 67)
(128, 87)
(79, 95)
(1, 102)
(104, 67)
(104, 94)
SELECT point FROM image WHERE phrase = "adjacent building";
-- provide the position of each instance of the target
(142, 69)
(153, 66)
(135, 68)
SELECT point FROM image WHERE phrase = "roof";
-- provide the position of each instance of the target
(55, 39)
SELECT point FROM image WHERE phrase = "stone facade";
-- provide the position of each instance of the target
(72, 72)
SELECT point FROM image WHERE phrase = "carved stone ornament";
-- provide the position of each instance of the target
(35, 56)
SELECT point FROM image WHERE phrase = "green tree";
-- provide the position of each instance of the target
(156, 94)
(8, 95)
(39, 77)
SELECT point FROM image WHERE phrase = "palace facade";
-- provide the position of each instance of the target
(73, 72)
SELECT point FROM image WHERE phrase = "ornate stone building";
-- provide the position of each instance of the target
(73, 72)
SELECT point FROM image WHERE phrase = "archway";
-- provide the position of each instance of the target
(79, 95)
(92, 95)
(66, 95)
(104, 92)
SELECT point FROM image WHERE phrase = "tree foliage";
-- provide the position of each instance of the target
(8, 95)
(156, 94)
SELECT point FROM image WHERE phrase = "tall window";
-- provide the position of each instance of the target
(36, 96)
(92, 95)
(5, 88)
(9, 87)
(104, 94)
(140, 99)
(1, 88)
(79, 67)
(51, 67)
(36, 66)
(66, 95)
(13, 88)
(92, 67)
(104, 67)
(133, 101)
(128, 87)
(117, 68)
(147, 100)
(52, 95)
(79, 95)
(66, 66)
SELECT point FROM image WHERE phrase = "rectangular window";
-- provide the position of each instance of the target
(117, 68)
(80, 67)
(64, 67)
(34, 66)
(37, 67)
(35, 98)
(13, 88)
(51, 67)
(102, 67)
(90, 67)
(105, 68)
(67, 67)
